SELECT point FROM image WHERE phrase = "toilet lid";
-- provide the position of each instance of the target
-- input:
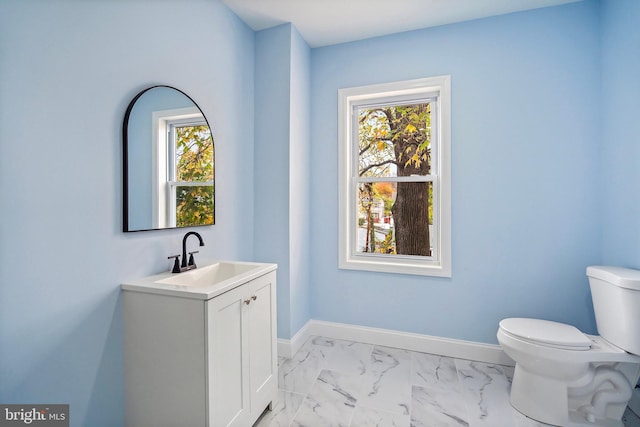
(547, 333)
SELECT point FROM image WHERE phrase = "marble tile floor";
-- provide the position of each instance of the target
(342, 383)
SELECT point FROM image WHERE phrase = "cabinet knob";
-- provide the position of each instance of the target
(254, 297)
(247, 301)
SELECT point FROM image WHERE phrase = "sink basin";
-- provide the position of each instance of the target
(210, 274)
(204, 282)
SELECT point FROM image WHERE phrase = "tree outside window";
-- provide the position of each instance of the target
(394, 216)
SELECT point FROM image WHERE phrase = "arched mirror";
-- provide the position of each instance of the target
(169, 162)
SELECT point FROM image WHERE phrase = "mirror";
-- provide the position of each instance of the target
(168, 162)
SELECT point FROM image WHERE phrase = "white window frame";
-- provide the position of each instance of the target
(349, 99)
(163, 155)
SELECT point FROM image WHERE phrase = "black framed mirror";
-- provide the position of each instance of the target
(168, 162)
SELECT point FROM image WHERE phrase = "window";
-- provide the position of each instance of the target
(395, 174)
(183, 177)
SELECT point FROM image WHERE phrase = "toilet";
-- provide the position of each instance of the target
(564, 377)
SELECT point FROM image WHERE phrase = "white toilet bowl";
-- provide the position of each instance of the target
(566, 378)
(574, 379)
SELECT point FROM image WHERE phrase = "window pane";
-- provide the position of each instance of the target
(395, 218)
(194, 205)
(394, 140)
(194, 154)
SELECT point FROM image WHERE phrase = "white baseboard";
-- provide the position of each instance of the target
(460, 349)
(287, 348)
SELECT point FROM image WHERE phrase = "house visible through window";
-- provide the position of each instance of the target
(184, 169)
(395, 177)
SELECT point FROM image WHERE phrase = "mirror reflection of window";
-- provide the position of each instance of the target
(184, 165)
(191, 184)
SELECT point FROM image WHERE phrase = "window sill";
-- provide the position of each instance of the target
(407, 265)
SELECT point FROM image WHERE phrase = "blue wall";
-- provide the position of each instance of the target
(620, 191)
(299, 166)
(526, 173)
(271, 170)
(68, 70)
(282, 168)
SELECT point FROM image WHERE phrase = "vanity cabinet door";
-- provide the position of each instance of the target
(242, 353)
(262, 342)
(165, 371)
(228, 359)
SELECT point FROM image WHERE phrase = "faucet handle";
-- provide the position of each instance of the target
(176, 263)
(191, 260)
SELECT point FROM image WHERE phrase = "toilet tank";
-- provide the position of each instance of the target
(615, 292)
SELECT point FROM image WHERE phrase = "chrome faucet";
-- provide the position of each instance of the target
(191, 264)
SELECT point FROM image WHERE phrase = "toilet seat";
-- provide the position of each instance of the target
(546, 333)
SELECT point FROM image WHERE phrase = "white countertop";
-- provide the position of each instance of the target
(205, 282)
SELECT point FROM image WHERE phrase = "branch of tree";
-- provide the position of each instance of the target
(371, 143)
(375, 165)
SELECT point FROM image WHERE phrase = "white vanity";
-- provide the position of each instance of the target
(200, 346)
